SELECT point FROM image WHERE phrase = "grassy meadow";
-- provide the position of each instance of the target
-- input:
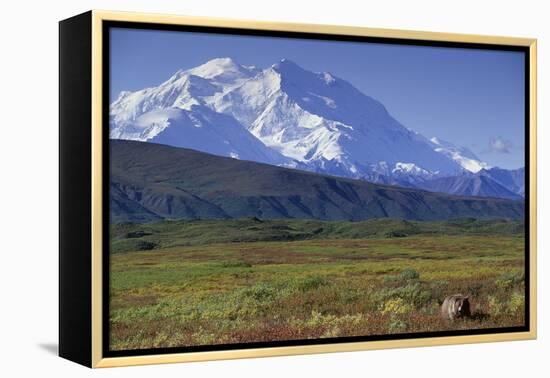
(186, 283)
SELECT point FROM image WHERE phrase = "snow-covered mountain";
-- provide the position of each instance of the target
(197, 86)
(285, 115)
(326, 123)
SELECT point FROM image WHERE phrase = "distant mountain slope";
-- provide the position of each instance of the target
(512, 179)
(479, 184)
(151, 181)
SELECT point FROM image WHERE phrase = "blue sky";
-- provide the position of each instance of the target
(472, 98)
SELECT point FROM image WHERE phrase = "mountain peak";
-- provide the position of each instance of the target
(208, 70)
(223, 68)
(222, 61)
(218, 63)
(286, 66)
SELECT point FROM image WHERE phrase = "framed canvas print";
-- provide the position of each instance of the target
(235, 189)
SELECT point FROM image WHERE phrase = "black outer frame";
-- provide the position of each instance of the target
(75, 107)
(75, 189)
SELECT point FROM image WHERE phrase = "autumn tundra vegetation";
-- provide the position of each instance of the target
(204, 282)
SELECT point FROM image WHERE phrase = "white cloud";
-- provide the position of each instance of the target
(500, 146)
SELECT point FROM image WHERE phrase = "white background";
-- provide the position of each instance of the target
(29, 189)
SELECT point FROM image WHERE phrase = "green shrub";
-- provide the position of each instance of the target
(510, 280)
(409, 274)
(439, 290)
(144, 245)
(411, 293)
(516, 303)
(396, 234)
(496, 307)
(236, 264)
(396, 326)
(310, 283)
(388, 279)
(137, 234)
(202, 337)
(261, 292)
(350, 296)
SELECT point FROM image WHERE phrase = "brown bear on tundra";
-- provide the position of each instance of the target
(455, 306)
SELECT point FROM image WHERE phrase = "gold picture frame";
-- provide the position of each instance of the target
(91, 328)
